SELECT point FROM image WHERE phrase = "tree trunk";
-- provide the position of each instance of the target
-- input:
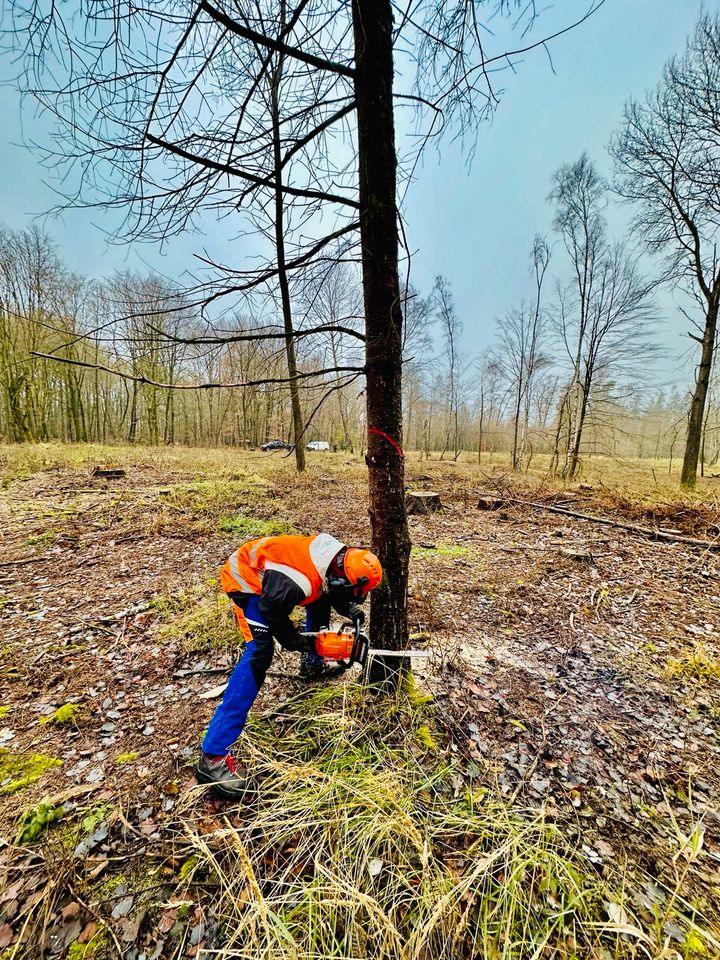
(688, 477)
(518, 402)
(480, 433)
(298, 438)
(372, 28)
(132, 432)
(574, 461)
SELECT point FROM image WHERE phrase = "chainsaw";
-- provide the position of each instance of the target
(349, 645)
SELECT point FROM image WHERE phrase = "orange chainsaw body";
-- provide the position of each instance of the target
(337, 645)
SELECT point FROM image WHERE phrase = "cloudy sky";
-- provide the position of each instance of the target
(472, 221)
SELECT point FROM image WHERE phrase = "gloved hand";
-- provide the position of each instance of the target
(298, 644)
(357, 615)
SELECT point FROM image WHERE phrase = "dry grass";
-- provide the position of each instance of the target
(649, 479)
(354, 843)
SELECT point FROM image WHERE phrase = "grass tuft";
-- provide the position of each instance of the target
(349, 846)
(197, 621)
(698, 665)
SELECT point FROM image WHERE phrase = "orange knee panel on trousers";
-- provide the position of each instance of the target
(243, 625)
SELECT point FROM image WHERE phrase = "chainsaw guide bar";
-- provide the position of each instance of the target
(398, 653)
(348, 646)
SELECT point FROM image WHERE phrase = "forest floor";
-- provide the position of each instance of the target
(571, 699)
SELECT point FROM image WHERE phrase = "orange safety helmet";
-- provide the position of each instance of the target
(362, 570)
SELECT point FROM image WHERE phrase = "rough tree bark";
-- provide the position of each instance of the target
(372, 27)
(688, 477)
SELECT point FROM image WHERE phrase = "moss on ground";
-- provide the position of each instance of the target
(67, 713)
(40, 539)
(443, 550)
(425, 738)
(19, 770)
(247, 527)
(415, 696)
(126, 757)
(188, 867)
(86, 951)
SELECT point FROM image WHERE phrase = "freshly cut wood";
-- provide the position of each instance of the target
(489, 503)
(108, 474)
(422, 501)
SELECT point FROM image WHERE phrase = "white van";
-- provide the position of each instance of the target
(318, 445)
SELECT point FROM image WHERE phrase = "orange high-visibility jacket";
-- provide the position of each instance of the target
(304, 560)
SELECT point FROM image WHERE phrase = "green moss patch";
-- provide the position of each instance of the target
(247, 527)
(188, 867)
(424, 737)
(415, 696)
(126, 757)
(443, 550)
(19, 770)
(93, 948)
(40, 539)
(67, 713)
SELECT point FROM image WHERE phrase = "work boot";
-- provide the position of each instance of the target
(313, 667)
(223, 776)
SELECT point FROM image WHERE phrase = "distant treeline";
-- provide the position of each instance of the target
(141, 327)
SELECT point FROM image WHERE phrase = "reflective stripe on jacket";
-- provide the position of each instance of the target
(304, 560)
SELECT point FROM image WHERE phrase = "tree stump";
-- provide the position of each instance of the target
(108, 473)
(422, 501)
(489, 503)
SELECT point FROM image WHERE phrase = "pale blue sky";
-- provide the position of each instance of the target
(474, 225)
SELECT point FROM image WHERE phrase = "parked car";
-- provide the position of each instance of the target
(318, 445)
(275, 445)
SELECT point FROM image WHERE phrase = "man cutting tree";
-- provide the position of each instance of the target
(266, 579)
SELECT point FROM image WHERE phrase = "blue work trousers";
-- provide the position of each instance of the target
(249, 675)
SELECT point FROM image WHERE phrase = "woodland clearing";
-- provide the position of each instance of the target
(547, 786)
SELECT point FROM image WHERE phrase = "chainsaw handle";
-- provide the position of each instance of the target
(359, 651)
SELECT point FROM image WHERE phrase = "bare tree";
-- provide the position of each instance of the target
(332, 295)
(579, 196)
(667, 158)
(451, 378)
(521, 352)
(489, 377)
(135, 102)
